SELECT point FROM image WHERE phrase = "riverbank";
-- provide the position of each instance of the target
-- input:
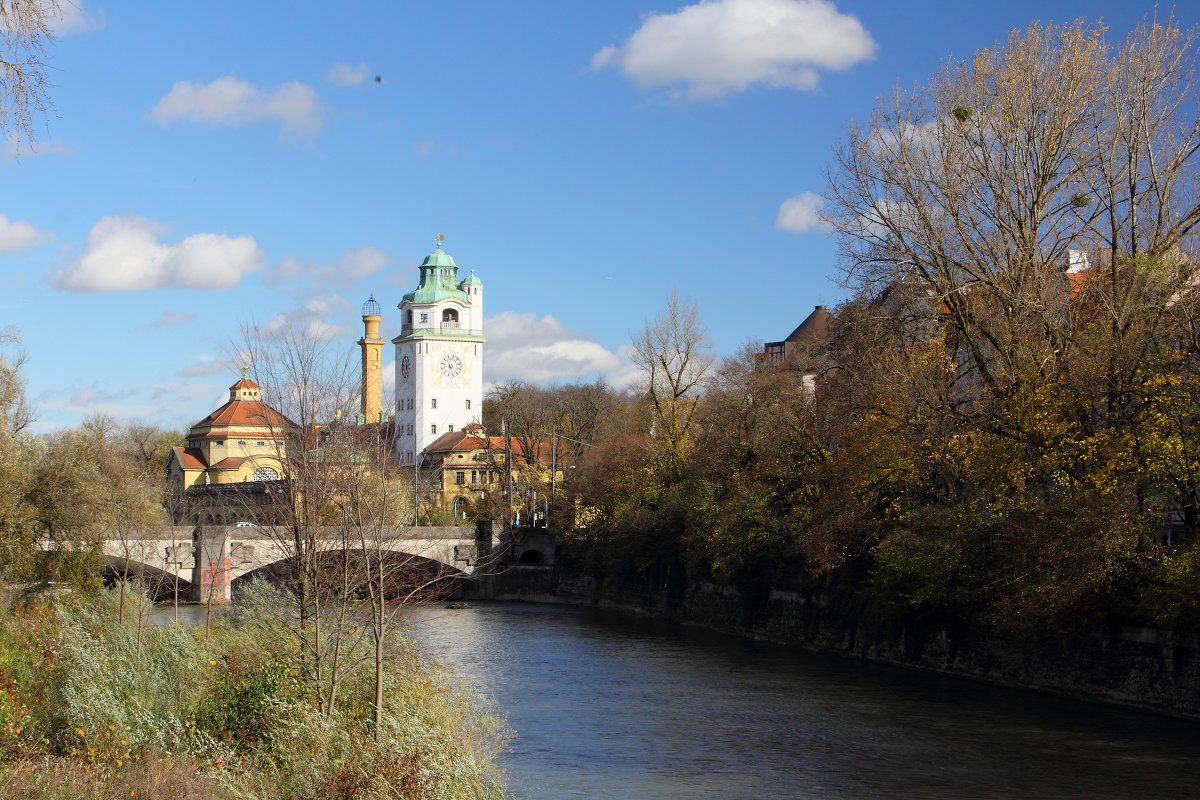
(606, 704)
(96, 702)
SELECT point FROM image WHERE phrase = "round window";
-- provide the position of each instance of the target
(265, 474)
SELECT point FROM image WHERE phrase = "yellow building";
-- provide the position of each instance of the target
(464, 471)
(241, 446)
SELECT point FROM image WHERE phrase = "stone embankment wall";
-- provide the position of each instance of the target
(1135, 666)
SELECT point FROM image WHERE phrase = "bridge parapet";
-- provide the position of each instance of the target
(212, 557)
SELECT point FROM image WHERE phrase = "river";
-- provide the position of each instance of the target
(605, 707)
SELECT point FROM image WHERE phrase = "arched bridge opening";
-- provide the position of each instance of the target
(160, 585)
(405, 577)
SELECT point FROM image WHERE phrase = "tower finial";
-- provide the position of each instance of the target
(441, 238)
(245, 370)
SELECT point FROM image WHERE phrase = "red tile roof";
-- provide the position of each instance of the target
(465, 441)
(245, 383)
(246, 412)
(190, 457)
(228, 463)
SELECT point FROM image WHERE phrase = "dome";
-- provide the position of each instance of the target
(371, 308)
(439, 258)
(472, 280)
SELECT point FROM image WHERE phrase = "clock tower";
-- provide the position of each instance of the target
(439, 356)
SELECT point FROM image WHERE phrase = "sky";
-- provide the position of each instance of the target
(209, 166)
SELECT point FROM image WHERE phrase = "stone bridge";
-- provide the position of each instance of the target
(205, 562)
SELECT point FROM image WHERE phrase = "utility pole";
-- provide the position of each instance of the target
(553, 472)
(507, 467)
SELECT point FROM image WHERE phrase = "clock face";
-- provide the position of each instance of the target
(405, 367)
(450, 366)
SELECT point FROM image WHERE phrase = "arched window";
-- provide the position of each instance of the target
(460, 506)
(450, 317)
(408, 317)
(265, 474)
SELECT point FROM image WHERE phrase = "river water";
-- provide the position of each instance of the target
(605, 707)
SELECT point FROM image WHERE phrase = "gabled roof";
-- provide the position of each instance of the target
(470, 440)
(189, 457)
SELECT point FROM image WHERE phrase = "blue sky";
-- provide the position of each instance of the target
(209, 165)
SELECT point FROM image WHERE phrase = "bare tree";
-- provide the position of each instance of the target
(674, 354)
(24, 90)
(309, 382)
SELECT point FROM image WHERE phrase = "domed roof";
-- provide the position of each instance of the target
(472, 279)
(439, 258)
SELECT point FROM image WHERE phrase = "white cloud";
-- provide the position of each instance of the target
(90, 396)
(342, 272)
(229, 101)
(15, 149)
(209, 365)
(886, 216)
(716, 47)
(19, 235)
(349, 75)
(170, 318)
(123, 253)
(800, 213)
(312, 318)
(72, 17)
(523, 347)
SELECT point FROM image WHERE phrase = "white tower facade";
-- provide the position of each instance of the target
(439, 356)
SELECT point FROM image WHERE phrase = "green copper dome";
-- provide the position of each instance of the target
(472, 280)
(439, 280)
(439, 258)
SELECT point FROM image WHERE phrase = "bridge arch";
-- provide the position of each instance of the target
(162, 585)
(405, 574)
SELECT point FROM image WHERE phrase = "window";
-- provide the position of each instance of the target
(451, 429)
(433, 403)
(241, 443)
(460, 478)
(450, 317)
(408, 432)
(408, 317)
(219, 441)
(265, 474)
(433, 429)
(424, 318)
(468, 405)
(261, 444)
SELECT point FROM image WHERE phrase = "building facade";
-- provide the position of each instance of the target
(439, 357)
(232, 461)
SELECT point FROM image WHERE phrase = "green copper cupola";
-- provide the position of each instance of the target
(439, 279)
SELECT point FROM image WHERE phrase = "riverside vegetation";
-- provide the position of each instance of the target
(991, 443)
(96, 703)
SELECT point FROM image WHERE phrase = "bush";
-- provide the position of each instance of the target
(96, 703)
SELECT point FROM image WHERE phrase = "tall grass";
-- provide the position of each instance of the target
(91, 706)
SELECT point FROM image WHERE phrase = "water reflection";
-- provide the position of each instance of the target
(606, 708)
